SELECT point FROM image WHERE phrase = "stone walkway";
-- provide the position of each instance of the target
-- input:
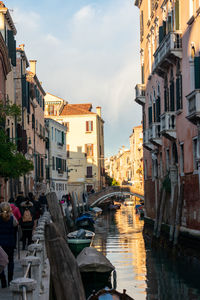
(5, 294)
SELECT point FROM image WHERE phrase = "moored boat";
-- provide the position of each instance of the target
(93, 265)
(107, 294)
(85, 221)
(79, 239)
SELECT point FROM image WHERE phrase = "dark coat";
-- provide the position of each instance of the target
(7, 233)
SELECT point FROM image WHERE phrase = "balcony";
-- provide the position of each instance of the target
(166, 53)
(146, 142)
(168, 125)
(194, 106)
(155, 135)
(140, 94)
(60, 171)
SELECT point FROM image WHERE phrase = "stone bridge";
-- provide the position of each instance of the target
(101, 196)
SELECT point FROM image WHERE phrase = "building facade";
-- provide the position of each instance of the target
(85, 143)
(136, 159)
(56, 156)
(6, 67)
(169, 95)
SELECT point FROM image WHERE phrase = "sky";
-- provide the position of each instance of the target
(86, 52)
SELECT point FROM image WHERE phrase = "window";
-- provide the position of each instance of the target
(182, 158)
(89, 126)
(79, 149)
(195, 163)
(150, 110)
(89, 172)
(68, 151)
(40, 129)
(89, 149)
(52, 133)
(36, 124)
(167, 159)
(53, 163)
(50, 110)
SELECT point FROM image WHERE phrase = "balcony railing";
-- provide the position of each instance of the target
(155, 135)
(170, 46)
(140, 94)
(146, 140)
(193, 106)
(168, 125)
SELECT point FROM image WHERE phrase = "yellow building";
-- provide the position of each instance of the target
(85, 143)
(136, 158)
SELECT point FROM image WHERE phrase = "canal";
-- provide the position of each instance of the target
(144, 272)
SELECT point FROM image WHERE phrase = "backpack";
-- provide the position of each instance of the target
(27, 217)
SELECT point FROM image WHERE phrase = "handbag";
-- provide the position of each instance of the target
(3, 259)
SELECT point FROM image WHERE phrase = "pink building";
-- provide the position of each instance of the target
(170, 97)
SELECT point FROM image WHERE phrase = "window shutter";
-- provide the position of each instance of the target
(63, 138)
(87, 126)
(150, 115)
(67, 150)
(158, 109)
(53, 162)
(154, 111)
(197, 72)
(28, 96)
(161, 34)
(86, 149)
(42, 168)
(177, 14)
(92, 149)
(172, 96)
(23, 82)
(12, 47)
(91, 125)
(177, 94)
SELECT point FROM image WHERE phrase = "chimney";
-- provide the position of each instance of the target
(22, 47)
(98, 110)
(33, 66)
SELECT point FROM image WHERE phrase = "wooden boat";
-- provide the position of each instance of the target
(94, 266)
(79, 239)
(85, 221)
(107, 294)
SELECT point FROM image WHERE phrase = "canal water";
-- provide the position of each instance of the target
(145, 273)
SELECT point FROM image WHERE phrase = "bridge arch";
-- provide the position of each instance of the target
(101, 199)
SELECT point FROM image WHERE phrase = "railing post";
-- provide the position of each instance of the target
(40, 237)
(39, 253)
(18, 285)
(35, 271)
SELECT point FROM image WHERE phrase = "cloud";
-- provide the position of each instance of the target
(93, 56)
(85, 13)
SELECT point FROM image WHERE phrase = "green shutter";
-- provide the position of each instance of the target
(12, 47)
(177, 14)
(197, 72)
(23, 81)
(177, 94)
(150, 115)
(172, 106)
(158, 109)
(161, 34)
(63, 138)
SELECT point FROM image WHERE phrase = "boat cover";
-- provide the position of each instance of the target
(91, 260)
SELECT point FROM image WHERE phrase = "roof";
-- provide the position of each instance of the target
(77, 109)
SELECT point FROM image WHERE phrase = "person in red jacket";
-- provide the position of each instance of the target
(15, 209)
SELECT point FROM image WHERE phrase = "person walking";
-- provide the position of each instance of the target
(43, 202)
(7, 239)
(27, 221)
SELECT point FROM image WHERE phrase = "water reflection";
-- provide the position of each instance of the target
(144, 272)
